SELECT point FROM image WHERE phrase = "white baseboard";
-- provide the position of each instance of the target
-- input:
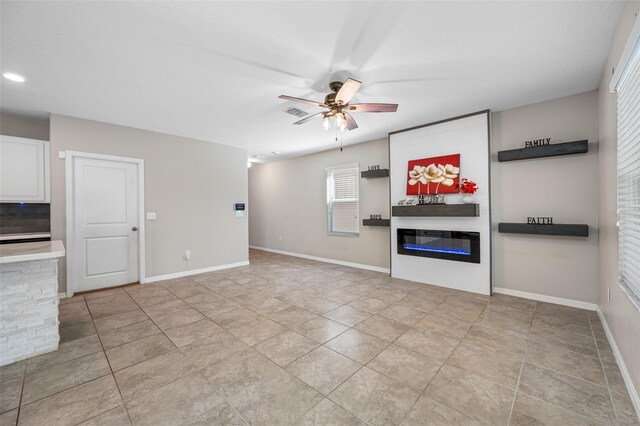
(193, 272)
(325, 260)
(549, 299)
(62, 296)
(633, 393)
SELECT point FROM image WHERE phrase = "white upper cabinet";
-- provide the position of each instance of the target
(24, 170)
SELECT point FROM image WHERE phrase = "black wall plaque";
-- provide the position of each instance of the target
(376, 222)
(378, 173)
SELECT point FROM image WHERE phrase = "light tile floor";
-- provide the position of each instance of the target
(292, 341)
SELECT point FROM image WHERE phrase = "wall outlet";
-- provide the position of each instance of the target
(608, 294)
(187, 254)
(151, 215)
(279, 237)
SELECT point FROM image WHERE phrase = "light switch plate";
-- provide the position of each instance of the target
(62, 154)
(151, 215)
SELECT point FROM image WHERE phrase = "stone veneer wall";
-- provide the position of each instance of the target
(28, 309)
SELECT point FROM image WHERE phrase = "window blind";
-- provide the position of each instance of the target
(343, 199)
(628, 100)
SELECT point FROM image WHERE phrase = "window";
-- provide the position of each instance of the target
(343, 202)
(629, 178)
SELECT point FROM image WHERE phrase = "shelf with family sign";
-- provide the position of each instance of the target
(539, 148)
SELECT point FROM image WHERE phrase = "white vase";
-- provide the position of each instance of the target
(468, 199)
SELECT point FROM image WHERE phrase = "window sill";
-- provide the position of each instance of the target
(343, 234)
(632, 297)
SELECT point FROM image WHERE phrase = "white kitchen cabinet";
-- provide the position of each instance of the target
(24, 170)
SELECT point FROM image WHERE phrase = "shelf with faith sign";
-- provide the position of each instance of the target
(538, 148)
(544, 226)
(374, 172)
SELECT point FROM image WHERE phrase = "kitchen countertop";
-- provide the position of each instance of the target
(24, 236)
(21, 252)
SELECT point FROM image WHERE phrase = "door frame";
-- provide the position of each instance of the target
(70, 213)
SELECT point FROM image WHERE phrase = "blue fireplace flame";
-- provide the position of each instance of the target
(437, 250)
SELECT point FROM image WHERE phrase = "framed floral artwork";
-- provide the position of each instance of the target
(435, 175)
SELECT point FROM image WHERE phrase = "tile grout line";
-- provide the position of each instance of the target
(564, 374)
(604, 373)
(441, 365)
(107, 358)
(24, 378)
(460, 341)
(524, 357)
(515, 394)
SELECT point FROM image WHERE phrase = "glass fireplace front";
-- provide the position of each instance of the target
(459, 246)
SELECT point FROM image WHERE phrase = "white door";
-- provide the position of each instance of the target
(105, 202)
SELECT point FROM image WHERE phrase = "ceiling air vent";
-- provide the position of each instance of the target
(295, 111)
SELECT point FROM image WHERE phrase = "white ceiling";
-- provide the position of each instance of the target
(213, 70)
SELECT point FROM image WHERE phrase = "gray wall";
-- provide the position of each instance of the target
(622, 317)
(190, 184)
(24, 127)
(288, 199)
(562, 187)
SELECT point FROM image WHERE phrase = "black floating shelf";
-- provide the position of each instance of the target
(376, 222)
(553, 150)
(569, 230)
(437, 210)
(370, 174)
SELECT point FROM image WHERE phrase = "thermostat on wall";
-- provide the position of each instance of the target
(239, 208)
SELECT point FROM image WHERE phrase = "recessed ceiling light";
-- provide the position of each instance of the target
(13, 77)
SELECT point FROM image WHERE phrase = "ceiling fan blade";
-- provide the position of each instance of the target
(309, 117)
(351, 123)
(304, 101)
(373, 107)
(348, 90)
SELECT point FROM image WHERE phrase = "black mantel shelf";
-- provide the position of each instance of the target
(437, 210)
(370, 174)
(569, 230)
(376, 222)
(553, 150)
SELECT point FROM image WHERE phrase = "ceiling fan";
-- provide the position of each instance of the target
(337, 105)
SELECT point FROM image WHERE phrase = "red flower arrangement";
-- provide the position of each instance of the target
(468, 186)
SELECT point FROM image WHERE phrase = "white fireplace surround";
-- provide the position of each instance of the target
(468, 136)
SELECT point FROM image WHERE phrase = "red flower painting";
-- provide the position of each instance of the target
(435, 175)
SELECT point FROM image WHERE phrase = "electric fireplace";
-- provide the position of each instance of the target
(459, 246)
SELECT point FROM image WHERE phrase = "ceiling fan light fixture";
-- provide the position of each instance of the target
(339, 120)
(338, 105)
(326, 123)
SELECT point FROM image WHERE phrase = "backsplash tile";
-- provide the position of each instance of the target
(24, 217)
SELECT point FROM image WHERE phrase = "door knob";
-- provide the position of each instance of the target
(134, 228)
